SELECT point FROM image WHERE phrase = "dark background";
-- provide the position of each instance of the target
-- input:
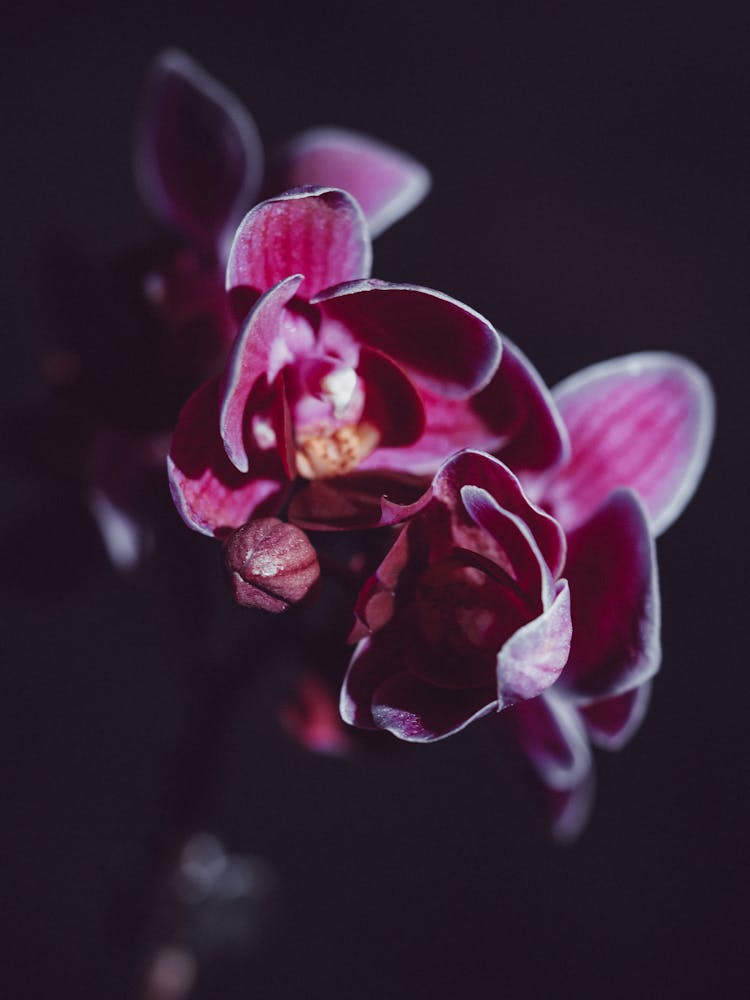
(590, 166)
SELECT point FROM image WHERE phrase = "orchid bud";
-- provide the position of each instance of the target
(271, 565)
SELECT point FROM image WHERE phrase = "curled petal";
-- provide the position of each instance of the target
(211, 495)
(533, 658)
(261, 348)
(317, 232)
(474, 468)
(550, 733)
(615, 602)
(386, 182)
(367, 670)
(644, 421)
(441, 343)
(198, 155)
(612, 722)
(515, 540)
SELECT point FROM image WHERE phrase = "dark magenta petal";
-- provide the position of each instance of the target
(518, 405)
(612, 722)
(358, 500)
(513, 417)
(568, 810)
(371, 664)
(533, 658)
(319, 233)
(441, 343)
(392, 404)
(210, 494)
(260, 349)
(419, 712)
(474, 468)
(614, 600)
(515, 540)
(644, 421)
(550, 733)
(198, 156)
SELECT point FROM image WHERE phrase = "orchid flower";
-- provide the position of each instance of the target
(467, 614)
(638, 433)
(199, 166)
(329, 366)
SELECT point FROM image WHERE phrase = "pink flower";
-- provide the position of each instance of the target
(199, 166)
(467, 614)
(440, 622)
(640, 430)
(329, 368)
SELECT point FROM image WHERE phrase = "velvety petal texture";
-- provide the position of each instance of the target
(386, 182)
(614, 587)
(319, 233)
(198, 155)
(441, 343)
(644, 421)
(463, 616)
(210, 493)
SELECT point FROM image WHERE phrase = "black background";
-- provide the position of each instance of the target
(590, 166)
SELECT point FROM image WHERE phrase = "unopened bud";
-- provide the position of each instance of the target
(271, 565)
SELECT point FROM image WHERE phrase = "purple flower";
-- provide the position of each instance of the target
(637, 431)
(329, 368)
(467, 614)
(199, 166)
(199, 160)
(640, 430)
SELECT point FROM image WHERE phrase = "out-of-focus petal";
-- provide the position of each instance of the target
(550, 733)
(317, 232)
(198, 155)
(643, 421)
(441, 343)
(210, 494)
(612, 722)
(614, 590)
(568, 810)
(386, 182)
(260, 349)
(532, 659)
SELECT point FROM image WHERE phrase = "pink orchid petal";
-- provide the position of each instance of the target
(644, 421)
(612, 722)
(513, 417)
(471, 467)
(210, 494)
(518, 404)
(441, 343)
(369, 667)
(198, 155)
(516, 541)
(317, 232)
(261, 349)
(533, 658)
(392, 404)
(419, 712)
(551, 735)
(615, 602)
(386, 182)
(357, 501)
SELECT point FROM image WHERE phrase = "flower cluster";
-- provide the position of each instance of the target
(519, 581)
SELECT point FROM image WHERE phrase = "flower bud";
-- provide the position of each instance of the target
(271, 565)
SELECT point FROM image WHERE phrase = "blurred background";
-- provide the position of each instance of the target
(590, 167)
